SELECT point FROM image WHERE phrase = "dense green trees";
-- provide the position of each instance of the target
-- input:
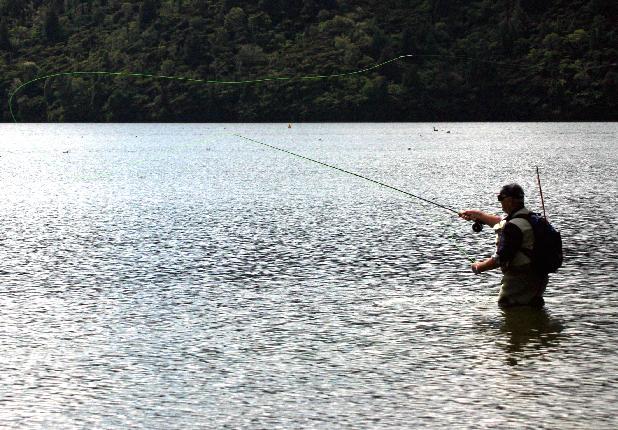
(5, 41)
(51, 26)
(147, 13)
(474, 60)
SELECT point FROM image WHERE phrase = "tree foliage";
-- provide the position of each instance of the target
(478, 60)
(5, 41)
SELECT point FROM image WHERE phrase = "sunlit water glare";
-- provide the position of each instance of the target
(176, 276)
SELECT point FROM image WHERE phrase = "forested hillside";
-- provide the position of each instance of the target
(477, 60)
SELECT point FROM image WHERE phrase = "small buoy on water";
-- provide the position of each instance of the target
(448, 131)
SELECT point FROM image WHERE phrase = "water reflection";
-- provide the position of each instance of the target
(530, 332)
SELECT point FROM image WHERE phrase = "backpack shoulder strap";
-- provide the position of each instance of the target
(517, 220)
(523, 222)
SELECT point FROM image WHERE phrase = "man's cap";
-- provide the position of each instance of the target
(511, 190)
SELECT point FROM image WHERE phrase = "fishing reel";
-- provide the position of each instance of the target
(477, 227)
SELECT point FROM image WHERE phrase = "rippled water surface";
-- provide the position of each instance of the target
(178, 276)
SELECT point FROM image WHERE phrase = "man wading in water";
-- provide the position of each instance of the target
(521, 284)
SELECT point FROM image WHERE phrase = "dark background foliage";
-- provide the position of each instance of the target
(478, 60)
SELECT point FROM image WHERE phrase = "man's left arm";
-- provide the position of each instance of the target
(508, 245)
(485, 265)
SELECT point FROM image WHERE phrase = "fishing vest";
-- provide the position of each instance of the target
(527, 241)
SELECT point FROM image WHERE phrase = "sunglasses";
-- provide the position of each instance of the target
(501, 197)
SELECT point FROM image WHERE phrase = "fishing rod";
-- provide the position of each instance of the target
(538, 179)
(407, 193)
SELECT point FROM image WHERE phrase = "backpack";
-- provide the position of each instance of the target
(546, 253)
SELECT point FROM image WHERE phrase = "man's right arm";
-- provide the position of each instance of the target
(484, 217)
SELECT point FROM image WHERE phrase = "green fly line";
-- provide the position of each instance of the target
(199, 81)
(382, 184)
(251, 81)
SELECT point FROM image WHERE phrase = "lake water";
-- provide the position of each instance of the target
(178, 276)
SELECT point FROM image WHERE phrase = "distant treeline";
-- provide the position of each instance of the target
(475, 60)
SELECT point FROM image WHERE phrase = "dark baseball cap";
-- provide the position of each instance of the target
(511, 190)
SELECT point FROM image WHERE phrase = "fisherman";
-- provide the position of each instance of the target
(521, 284)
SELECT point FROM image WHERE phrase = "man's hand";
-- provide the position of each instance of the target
(475, 268)
(480, 216)
(483, 266)
(469, 215)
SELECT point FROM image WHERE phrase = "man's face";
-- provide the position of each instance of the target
(509, 203)
(506, 203)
